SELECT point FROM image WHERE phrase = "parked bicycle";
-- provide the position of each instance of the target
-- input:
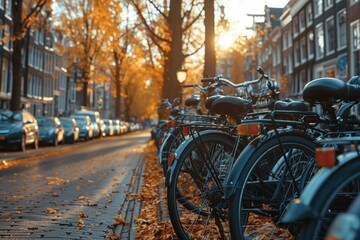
(276, 166)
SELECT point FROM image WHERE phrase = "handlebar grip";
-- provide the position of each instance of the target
(189, 85)
(210, 80)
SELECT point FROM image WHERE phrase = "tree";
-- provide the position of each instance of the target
(167, 23)
(85, 25)
(21, 25)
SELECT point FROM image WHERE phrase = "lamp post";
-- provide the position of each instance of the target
(181, 77)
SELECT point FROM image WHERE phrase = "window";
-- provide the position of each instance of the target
(299, 83)
(328, 4)
(290, 38)
(330, 36)
(319, 33)
(318, 7)
(284, 40)
(341, 29)
(352, 2)
(296, 53)
(302, 23)
(295, 26)
(355, 48)
(8, 8)
(303, 50)
(309, 15)
(2, 4)
(310, 45)
(7, 37)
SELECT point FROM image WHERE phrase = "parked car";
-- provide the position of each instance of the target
(85, 126)
(97, 122)
(124, 127)
(18, 129)
(71, 129)
(51, 131)
(117, 127)
(109, 127)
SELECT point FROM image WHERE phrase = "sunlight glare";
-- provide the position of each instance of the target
(225, 40)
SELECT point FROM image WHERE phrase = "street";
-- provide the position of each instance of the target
(78, 191)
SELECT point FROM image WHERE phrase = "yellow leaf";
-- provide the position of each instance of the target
(51, 210)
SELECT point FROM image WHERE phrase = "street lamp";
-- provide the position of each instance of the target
(181, 77)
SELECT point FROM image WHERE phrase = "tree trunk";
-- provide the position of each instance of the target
(15, 102)
(175, 57)
(117, 86)
(210, 57)
(86, 79)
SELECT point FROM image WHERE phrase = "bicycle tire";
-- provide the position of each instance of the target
(169, 146)
(191, 216)
(341, 187)
(261, 195)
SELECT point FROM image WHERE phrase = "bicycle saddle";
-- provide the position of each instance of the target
(233, 106)
(192, 102)
(210, 100)
(291, 105)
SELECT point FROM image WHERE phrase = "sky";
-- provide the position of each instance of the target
(236, 12)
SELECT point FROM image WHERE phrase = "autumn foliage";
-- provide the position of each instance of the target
(149, 224)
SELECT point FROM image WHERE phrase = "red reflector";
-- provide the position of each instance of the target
(249, 129)
(171, 124)
(185, 131)
(161, 141)
(325, 157)
(171, 159)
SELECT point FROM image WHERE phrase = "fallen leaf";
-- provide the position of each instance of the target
(51, 210)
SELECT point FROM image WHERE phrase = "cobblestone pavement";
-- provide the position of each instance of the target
(86, 188)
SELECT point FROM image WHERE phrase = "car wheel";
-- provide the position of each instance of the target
(36, 142)
(22, 145)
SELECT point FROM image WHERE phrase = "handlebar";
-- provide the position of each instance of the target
(227, 82)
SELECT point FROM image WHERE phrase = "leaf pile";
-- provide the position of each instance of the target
(149, 226)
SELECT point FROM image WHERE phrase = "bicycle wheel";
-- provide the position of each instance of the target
(169, 146)
(334, 197)
(195, 194)
(265, 186)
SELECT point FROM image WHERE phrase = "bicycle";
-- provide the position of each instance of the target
(201, 164)
(275, 167)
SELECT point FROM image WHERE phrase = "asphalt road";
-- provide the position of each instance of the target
(72, 191)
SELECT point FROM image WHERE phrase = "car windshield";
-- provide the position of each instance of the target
(45, 122)
(66, 123)
(8, 116)
(80, 120)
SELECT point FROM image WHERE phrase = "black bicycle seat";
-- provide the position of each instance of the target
(232, 106)
(324, 90)
(291, 105)
(210, 100)
(192, 102)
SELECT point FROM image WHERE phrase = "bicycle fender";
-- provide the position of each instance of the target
(171, 132)
(169, 175)
(249, 150)
(301, 208)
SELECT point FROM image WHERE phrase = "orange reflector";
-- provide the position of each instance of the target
(325, 157)
(171, 124)
(161, 140)
(185, 131)
(171, 159)
(249, 129)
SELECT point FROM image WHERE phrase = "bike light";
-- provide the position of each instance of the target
(171, 159)
(249, 129)
(185, 131)
(171, 124)
(325, 157)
